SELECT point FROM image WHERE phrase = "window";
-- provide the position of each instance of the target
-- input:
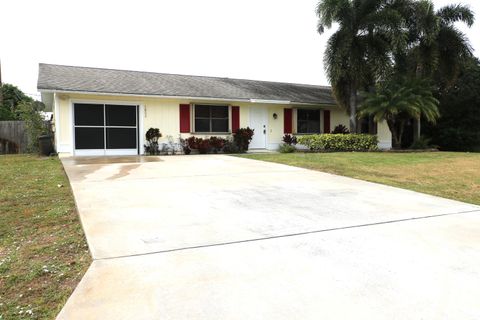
(308, 121)
(211, 118)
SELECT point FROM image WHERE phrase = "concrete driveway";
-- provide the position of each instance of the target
(220, 237)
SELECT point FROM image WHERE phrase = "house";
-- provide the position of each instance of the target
(107, 112)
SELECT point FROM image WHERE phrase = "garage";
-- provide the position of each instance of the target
(105, 129)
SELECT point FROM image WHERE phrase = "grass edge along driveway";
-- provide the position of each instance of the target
(453, 175)
(43, 251)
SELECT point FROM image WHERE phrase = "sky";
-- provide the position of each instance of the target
(273, 40)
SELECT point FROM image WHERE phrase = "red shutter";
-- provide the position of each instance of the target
(326, 121)
(287, 120)
(184, 118)
(235, 118)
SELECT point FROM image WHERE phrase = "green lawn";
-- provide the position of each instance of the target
(454, 175)
(43, 252)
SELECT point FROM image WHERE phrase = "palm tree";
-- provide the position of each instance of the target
(435, 46)
(399, 100)
(434, 42)
(358, 53)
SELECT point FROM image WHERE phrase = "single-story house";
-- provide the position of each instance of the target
(107, 112)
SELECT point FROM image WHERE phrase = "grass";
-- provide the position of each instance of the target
(43, 252)
(454, 175)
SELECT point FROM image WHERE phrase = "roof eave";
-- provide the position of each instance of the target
(263, 101)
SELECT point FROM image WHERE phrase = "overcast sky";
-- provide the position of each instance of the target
(255, 39)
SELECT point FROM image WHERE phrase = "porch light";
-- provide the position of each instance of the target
(275, 116)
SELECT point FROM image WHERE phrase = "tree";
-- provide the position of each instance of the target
(12, 97)
(358, 53)
(459, 127)
(435, 48)
(398, 100)
(434, 43)
(35, 125)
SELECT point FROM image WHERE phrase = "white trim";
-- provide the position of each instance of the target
(322, 116)
(56, 118)
(89, 152)
(70, 111)
(294, 120)
(270, 101)
(141, 130)
(192, 118)
(230, 118)
(282, 102)
(114, 102)
(121, 152)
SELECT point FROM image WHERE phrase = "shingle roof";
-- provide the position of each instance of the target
(83, 79)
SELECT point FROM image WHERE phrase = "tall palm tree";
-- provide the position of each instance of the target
(435, 46)
(358, 53)
(398, 100)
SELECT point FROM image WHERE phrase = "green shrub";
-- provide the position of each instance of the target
(339, 142)
(286, 148)
(421, 143)
(35, 126)
(230, 147)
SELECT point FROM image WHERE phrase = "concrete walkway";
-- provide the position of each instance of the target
(219, 237)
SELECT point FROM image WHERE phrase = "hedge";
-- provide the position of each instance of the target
(339, 142)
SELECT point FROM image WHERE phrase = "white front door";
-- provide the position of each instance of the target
(258, 122)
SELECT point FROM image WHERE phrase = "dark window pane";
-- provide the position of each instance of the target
(308, 121)
(202, 125)
(302, 114)
(219, 125)
(314, 115)
(302, 127)
(89, 138)
(211, 118)
(121, 138)
(202, 111)
(219, 111)
(308, 114)
(88, 114)
(313, 127)
(118, 115)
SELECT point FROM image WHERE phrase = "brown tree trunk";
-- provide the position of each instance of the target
(396, 135)
(353, 109)
(417, 130)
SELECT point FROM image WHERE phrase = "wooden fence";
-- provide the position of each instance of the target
(13, 137)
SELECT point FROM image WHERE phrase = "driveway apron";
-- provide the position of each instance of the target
(221, 237)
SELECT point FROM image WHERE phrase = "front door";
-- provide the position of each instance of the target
(258, 122)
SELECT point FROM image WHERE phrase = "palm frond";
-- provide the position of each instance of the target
(328, 11)
(401, 99)
(456, 13)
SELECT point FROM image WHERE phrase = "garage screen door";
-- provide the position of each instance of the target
(105, 129)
